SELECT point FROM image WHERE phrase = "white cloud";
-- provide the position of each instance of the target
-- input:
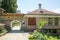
(57, 11)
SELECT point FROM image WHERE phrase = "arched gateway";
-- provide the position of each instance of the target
(15, 25)
(9, 18)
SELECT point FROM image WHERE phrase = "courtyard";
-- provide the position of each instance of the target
(15, 34)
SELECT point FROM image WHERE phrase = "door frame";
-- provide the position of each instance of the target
(31, 25)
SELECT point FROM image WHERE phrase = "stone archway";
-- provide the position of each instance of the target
(15, 27)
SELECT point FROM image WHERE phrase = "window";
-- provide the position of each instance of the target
(50, 21)
(56, 22)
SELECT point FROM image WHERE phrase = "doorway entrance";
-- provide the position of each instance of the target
(31, 23)
(15, 25)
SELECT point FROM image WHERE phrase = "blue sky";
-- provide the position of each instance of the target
(30, 5)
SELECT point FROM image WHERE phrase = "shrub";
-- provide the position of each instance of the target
(37, 35)
(31, 37)
(2, 32)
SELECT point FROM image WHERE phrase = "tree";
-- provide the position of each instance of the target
(0, 3)
(10, 6)
(41, 24)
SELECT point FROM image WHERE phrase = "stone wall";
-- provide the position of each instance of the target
(7, 18)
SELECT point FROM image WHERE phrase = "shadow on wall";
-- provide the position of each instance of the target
(8, 28)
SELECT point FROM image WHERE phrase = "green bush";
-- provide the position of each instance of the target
(31, 37)
(36, 36)
(2, 32)
(58, 37)
(39, 36)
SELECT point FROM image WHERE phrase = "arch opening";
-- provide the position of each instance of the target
(15, 25)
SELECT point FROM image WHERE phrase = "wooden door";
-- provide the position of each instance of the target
(31, 21)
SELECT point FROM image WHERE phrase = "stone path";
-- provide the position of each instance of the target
(15, 35)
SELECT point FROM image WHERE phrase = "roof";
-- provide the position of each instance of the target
(42, 12)
(2, 9)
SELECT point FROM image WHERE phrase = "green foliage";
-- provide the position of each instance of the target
(41, 24)
(36, 35)
(16, 23)
(0, 3)
(2, 32)
(39, 36)
(9, 5)
(31, 37)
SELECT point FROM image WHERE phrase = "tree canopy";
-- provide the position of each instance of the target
(10, 6)
(0, 3)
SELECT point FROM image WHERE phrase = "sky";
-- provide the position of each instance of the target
(30, 5)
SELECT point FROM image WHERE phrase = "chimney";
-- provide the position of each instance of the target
(39, 7)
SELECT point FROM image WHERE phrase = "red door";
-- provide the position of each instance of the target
(32, 21)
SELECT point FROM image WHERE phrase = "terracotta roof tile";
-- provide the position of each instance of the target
(42, 12)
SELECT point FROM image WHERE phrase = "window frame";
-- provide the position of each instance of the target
(50, 21)
(56, 23)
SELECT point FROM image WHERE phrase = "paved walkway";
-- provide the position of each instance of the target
(15, 35)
